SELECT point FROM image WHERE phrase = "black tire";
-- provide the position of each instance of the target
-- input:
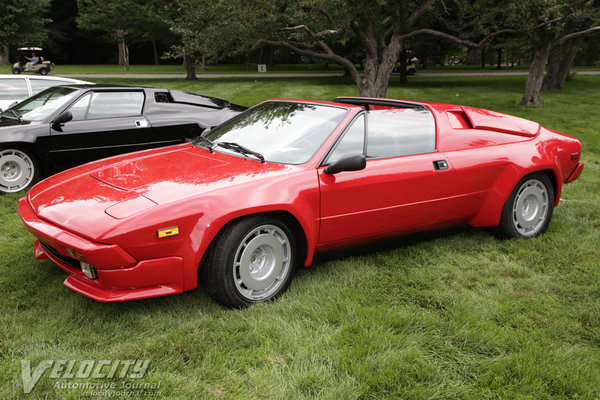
(233, 261)
(528, 210)
(411, 71)
(16, 71)
(44, 71)
(19, 169)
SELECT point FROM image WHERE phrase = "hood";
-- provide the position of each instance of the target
(10, 122)
(91, 200)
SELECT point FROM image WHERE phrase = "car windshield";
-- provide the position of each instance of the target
(44, 104)
(281, 132)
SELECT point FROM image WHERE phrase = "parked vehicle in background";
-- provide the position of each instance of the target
(24, 64)
(65, 126)
(15, 88)
(243, 206)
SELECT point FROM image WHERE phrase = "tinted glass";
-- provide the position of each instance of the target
(352, 142)
(13, 89)
(192, 98)
(283, 132)
(79, 109)
(37, 85)
(40, 106)
(115, 104)
(400, 131)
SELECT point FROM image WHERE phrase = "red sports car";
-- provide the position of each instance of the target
(242, 206)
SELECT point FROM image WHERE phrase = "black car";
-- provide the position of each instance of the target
(68, 125)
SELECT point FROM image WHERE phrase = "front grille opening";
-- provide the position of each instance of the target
(64, 259)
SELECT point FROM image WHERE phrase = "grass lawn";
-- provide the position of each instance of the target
(241, 69)
(177, 69)
(457, 315)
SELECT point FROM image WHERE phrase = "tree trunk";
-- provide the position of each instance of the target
(4, 55)
(190, 70)
(561, 59)
(125, 52)
(203, 66)
(551, 78)
(471, 58)
(403, 76)
(155, 51)
(499, 65)
(121, 58)
(535, 77)
(483, 58)
(376, 77)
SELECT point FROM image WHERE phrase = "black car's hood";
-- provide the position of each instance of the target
(10, 122)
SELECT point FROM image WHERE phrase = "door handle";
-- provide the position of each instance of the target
(440, 165)
(141, 123)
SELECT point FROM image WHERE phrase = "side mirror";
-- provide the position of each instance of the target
(352, 162)
(61, 119)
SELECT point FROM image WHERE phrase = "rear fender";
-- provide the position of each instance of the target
(491, 210)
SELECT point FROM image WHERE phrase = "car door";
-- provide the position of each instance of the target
(105, 123)
(404, 185)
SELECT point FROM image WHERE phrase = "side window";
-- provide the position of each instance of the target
(353, 141)
(79, 109)
(115, 104)
(13, 89)
(37, 85)
(399, 132)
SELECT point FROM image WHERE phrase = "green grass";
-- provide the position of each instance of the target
(252, 68)
(457, 315)
(177, 69)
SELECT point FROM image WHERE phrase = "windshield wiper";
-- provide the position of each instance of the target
(209, 145)
(241, 149)
(15, 115)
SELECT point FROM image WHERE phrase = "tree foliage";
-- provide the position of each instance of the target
(377, 29)
(22, 24)
(120, 19)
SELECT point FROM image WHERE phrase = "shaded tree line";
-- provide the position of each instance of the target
(366, 37)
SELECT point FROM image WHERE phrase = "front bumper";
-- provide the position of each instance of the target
(120, 276)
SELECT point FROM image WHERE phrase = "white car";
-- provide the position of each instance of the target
(15, 88)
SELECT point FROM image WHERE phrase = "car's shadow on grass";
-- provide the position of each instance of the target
(195, 303)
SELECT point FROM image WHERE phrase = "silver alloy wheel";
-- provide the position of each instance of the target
(16, 170)
(530, 208)
(262, 262)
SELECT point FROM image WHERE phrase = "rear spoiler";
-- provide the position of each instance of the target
(495, 121)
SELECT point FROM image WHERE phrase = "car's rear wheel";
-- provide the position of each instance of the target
(16, 71)
(44, 71)
(528, 210)
(411, 71)
(19, 170)
(252, 260)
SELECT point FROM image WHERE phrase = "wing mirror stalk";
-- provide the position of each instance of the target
(353, 162)
(61, 120)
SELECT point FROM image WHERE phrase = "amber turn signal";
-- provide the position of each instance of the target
(166, 232)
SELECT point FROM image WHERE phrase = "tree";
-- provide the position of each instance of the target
(119, 18)
(564, 51)
(156, 24)
(208, 30)
(377, 28)
(21, 24)
(549, 24)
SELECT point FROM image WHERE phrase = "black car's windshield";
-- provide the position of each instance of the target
(42, 105)
(281, 132)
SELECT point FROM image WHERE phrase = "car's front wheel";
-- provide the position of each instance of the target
(528, 210)
(19, 170)
(16, 71)
(252, 260)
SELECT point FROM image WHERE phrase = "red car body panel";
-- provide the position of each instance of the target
(107, 213)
